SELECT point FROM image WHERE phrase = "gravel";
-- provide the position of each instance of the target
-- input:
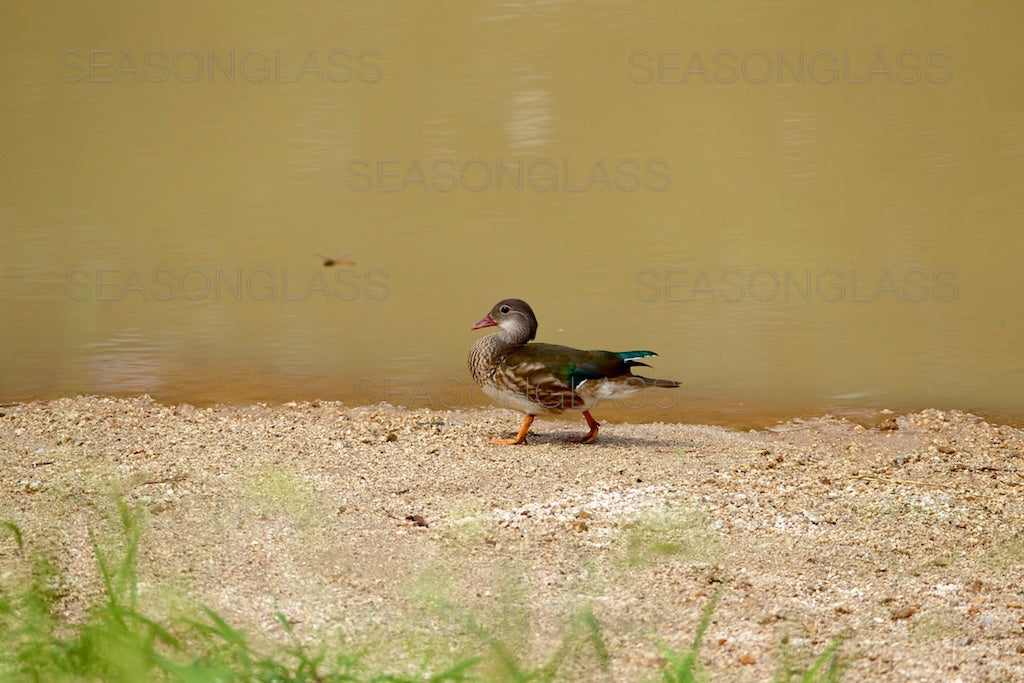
(394, 528)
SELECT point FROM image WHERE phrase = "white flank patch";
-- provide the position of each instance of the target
(516, 401)
(610, 390)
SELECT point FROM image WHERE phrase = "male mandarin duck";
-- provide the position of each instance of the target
(547, 378)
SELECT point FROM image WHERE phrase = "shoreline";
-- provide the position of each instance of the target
(905, 541)
(728, 414)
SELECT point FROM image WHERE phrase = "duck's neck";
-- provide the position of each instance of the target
(488, 349)
(515, 333)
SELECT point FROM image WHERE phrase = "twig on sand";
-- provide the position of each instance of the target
(905, 482)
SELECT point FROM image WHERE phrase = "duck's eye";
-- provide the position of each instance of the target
(504, 309)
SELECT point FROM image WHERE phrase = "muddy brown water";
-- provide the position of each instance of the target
(799, 211)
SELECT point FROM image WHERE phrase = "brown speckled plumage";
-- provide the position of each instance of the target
(546, 378)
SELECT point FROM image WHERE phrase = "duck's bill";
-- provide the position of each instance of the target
(488, 321)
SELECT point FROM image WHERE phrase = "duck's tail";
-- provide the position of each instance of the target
(648, 382)
(630, 359)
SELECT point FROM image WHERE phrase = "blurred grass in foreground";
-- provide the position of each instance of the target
(117, 642)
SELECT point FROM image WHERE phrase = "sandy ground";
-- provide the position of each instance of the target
(397, 528)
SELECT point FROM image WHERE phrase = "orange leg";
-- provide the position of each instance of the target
(591, 436)
(520, 437)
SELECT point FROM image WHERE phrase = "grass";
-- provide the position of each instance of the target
(672, 531)
(828, 667)
(683, 665)
(118, 642)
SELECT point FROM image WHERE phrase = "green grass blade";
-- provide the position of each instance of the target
(596, 639)
(829, 656)
(685, 667)
(16, 532)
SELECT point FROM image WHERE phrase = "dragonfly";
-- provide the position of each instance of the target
(336, 260)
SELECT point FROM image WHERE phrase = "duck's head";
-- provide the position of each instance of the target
(514, 317)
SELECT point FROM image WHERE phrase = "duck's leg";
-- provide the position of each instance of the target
(591, 436)
(520, 437)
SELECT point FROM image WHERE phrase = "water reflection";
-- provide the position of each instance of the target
(128, 362)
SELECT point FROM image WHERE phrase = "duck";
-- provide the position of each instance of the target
(548, 379)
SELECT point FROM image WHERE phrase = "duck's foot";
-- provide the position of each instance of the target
(591, 436)
(520, 437)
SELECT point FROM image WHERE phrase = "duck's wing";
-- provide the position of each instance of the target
(545, 373)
